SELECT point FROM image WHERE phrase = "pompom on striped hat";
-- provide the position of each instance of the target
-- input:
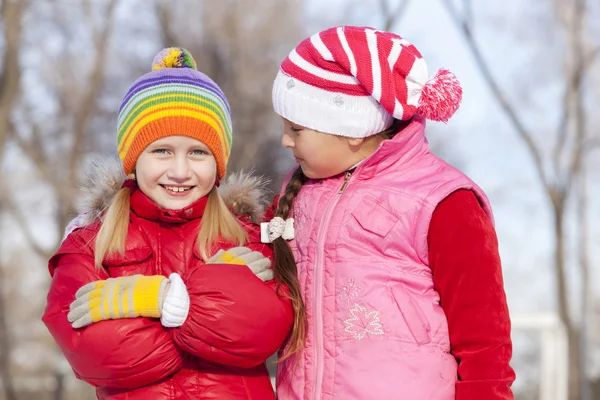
(353, 81)
(174, 99)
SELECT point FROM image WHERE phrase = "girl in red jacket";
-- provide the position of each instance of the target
(164, 293)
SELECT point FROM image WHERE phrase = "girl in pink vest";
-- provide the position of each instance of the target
(396, 253)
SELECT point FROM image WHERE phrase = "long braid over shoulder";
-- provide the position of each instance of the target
(285, 266)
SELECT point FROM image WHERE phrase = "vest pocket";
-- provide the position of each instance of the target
(368, 227)
(373, 217)
(413, 316)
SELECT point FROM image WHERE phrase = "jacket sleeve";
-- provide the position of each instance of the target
(234, 318)
(125, 353)
(463, 255)
(270, 211)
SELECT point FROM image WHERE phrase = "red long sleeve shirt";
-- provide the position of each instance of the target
(463, 256)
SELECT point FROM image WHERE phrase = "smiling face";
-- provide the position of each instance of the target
(176, 171)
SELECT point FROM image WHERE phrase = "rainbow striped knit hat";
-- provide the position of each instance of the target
(174, 99)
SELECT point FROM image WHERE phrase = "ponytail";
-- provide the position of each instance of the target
(115, 224)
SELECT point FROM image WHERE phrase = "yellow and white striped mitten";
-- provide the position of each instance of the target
(256, 261)
(115, 298)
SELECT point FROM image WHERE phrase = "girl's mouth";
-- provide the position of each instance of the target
(177, 191)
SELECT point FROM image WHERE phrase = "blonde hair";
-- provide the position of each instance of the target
(218, 223)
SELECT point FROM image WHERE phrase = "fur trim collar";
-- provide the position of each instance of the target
(103, 177)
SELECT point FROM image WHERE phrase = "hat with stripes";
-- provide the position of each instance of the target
(174, 99)
(354, 81)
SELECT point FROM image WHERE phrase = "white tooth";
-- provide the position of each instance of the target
(177, 189)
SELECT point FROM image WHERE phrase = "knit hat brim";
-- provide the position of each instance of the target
(328, 112)
(176, 126)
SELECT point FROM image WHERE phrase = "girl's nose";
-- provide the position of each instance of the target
(287, 141)
(180, 169)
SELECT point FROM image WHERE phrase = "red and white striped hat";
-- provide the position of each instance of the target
(353, 81)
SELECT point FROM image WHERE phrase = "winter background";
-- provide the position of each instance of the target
(527, 133)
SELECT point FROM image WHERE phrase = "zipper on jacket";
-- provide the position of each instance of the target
(345, 184)
(319, 287)
(158, 250)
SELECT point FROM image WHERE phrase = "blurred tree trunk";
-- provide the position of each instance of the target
(59, 390)
(560, 184)
(587, 294)
(12, 16)
(5, 346)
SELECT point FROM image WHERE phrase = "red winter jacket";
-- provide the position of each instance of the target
(235, 320)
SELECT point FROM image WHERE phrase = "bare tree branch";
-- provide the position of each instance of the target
(88, 10)
(579, 385)
(12, 16)
(5, 343)
(591, 58)
(64, 184)
(468, 12)
(88, 100)
(573, 100)
(165, 18)
(15, 211)
(577, 83)
(506, 106)
(585, 278)
(33, 149)
(392, 17)
(562, 131)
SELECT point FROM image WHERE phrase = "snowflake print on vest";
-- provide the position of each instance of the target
(363, 321)
(349, 292)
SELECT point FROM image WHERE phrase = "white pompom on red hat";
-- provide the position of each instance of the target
(353, 81)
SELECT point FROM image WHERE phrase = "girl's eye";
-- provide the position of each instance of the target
(160, 151)
(295, 130)
(199, 152)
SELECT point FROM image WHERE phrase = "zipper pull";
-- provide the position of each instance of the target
(345, 184)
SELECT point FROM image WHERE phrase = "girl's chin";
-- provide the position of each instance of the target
(178, 201)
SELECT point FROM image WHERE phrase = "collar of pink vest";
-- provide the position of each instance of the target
(399, 151)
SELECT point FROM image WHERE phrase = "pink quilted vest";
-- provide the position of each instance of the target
(375, 326)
